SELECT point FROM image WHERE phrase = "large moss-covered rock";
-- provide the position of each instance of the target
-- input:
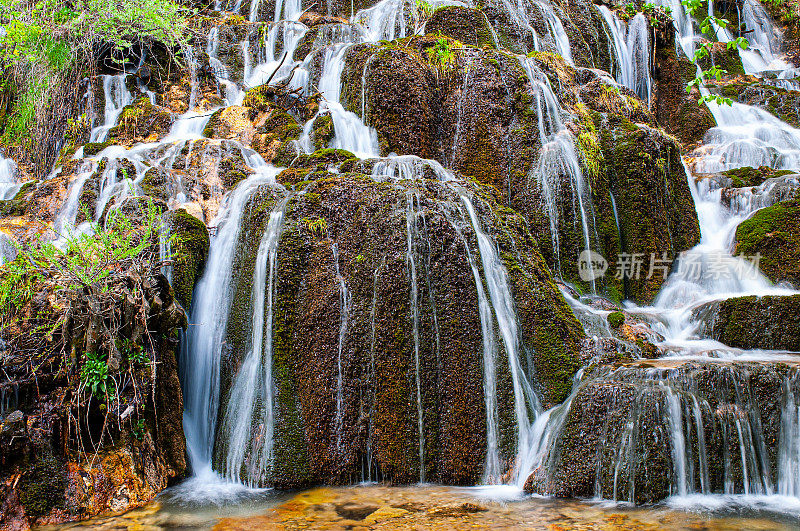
(773, 233)
(644, 189)
(770, 322)
(490, 105)
(141, 121)
(675, 110)
(467, 25)
(347, 229)
(639, 431)
(189, 246)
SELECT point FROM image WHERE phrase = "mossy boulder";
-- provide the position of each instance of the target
(141, 121)
(675, 110)
(353, 230)
(643, 187)
(90, 149)
(747, 176)
(189, 247)
(773, 233)
(769, 322)
(617, 440)
(467, 25)
(230, 123)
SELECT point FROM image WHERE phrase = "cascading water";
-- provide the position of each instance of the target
(209, 317)
(9, 187)
(631, 43)
(558, 164)
(344, 317)
(526, 402)
(117, 96)
(239, 428)
(248, 425)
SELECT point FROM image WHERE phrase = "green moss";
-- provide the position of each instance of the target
(773, 233)
(212, 124)
(615, 319)
(42, 485)
(748, 176)
(467, 25)
(190, 247)
(93, 148)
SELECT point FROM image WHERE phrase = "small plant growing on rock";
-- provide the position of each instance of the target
(423, 12)
(441, 54)
(94, 375)
(709, 26)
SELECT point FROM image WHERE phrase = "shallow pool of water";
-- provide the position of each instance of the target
(436, 507)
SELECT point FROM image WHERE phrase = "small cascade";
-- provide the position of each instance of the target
(344, 309)
(687, 35)
(276, 56)
(492, 468)
(117, 96)
(412, 235)
(526, 403)
(209, 318)
(789, 443)
(744, 135)
(762, 35)
(556, 40)
(247, 428)
(9, 187)
(631, 44)
(350, 132)
(558, 165)
(386, 20)
(233, 95)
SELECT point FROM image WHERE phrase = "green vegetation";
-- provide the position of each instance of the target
(94, 375)
(441, 54)
(709, 26)
(615, 319)
(47, 40)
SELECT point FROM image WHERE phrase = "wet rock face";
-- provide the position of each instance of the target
(481, 117)
(467, 25)
(645, 175)
(642, 432)
(774, 234)
(770, 322)
(675, 110)
(349, 230)
(189, 247)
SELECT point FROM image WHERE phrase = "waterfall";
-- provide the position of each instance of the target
(558, 162)
(631, 44)
(525, 400)
(209, 317)
(350, 132)
(117, 97)
(9, 187)
(344, 310)
(492, 468)
(789, 443)
(518, 11)
(249, 422)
